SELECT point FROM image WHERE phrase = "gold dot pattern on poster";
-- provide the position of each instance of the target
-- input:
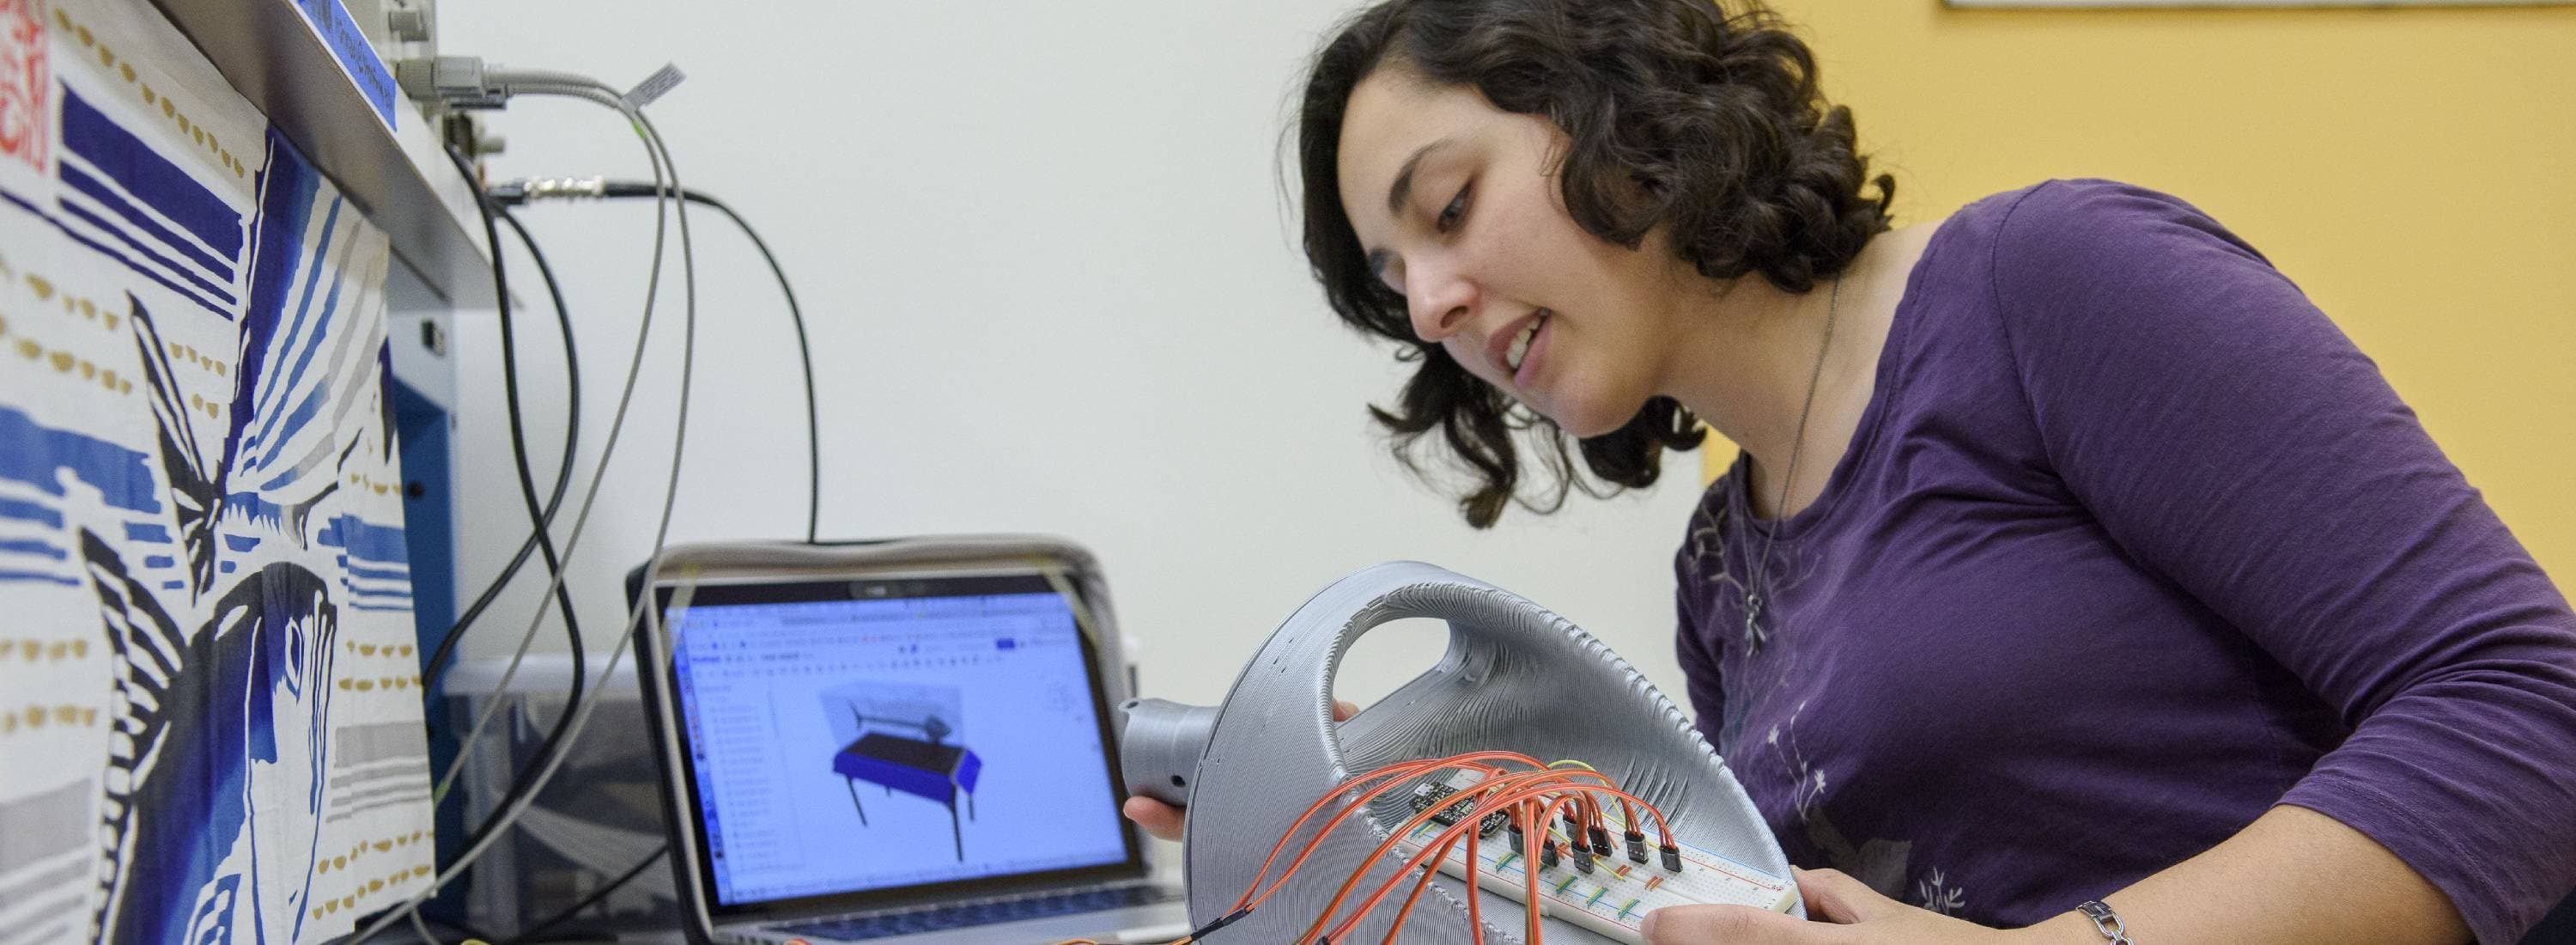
(169, 110)
(373, 683)
(64, 361)
(366, 483)
(33, 717)
(101, 313)
(370, 886)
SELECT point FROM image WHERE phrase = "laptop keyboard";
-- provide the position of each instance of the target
(983, 913)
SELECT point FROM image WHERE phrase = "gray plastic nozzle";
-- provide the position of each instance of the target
(1159, 747)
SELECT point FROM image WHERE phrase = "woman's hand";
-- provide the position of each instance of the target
(1845, 913)
(1160, 819)
(1164, 820)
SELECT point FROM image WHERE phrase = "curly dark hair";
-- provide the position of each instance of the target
(1676, 112)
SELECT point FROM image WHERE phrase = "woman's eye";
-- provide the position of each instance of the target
(1456, 209)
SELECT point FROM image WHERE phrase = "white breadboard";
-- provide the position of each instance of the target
(1616, 895)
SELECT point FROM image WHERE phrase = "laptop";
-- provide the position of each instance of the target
(896, 752)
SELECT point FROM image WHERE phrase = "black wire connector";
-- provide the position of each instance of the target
(1221, 922)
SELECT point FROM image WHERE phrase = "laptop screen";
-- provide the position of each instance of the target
(893, 734)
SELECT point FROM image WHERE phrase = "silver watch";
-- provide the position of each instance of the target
(2106, 922)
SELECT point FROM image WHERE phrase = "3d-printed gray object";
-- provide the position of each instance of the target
(1516, 677)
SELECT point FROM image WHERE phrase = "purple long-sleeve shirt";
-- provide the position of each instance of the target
(2131, 545)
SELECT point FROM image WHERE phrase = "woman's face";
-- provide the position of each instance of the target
(1457, 204)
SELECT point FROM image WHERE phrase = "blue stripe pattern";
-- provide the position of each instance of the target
(112, 229)
(162, 185)
(365, 540)
(24, 510)
(30, 452)
(110, 252)
(376, 574)
(32, 547)
(269, 390)
(39, 577)
(107, 197)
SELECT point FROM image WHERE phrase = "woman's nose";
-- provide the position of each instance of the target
(1441, 301)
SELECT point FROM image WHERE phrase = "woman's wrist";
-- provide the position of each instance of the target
(2066, 928)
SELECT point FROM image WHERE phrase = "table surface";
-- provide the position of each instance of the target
(908, 752)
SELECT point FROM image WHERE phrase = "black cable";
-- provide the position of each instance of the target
(795, 315)
(553, 742)
(529, 934)
(804, 359)
(436, 666)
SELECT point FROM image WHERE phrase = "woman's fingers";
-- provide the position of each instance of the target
(1160, 819)
(1834, 897)
(1732, 925)
(1342, 711)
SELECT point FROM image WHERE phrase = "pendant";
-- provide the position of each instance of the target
(1754, 635)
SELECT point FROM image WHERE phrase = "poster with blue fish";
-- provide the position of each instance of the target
(210, 716)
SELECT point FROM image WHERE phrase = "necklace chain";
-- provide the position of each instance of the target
(1755, 634)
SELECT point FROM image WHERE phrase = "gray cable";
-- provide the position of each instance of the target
(616, 426)
(666, 178)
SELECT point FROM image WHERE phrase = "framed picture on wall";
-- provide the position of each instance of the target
(2203, 4)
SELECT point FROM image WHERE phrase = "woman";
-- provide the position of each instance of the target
(2077, 572)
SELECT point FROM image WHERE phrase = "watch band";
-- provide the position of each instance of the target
(2106, 922)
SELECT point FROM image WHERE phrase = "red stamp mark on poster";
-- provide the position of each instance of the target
(25, 80)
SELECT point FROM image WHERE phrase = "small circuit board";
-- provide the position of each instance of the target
(1614, 895)
(1429, 793)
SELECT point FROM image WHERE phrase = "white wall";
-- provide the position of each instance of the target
(1054, 287)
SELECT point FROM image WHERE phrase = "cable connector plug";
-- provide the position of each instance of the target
(453, 81)
(531, 189)
(1221, 922)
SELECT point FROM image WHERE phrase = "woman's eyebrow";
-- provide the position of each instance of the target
(1402, 189)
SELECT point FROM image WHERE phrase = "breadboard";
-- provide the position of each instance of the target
(1615, 896)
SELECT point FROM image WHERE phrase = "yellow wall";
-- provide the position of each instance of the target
(2414, 170)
